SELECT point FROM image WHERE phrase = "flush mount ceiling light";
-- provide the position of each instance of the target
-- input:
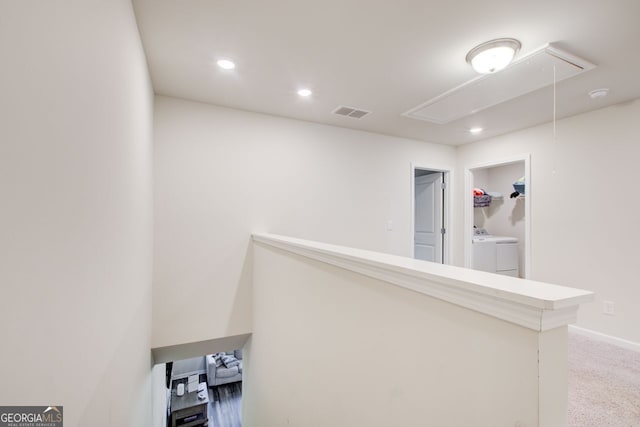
(493, 55)
(226, 64)
(475, 130)
(305, 92)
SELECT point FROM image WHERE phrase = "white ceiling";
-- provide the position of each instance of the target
(383, 56)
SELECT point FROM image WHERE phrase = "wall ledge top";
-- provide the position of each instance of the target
(534, 305)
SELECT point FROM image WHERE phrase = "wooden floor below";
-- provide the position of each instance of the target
(225, 407)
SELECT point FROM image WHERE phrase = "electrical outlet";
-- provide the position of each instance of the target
(608, 308)
(389, 225)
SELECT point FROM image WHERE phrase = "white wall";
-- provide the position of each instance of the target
(363, 352)
(221, 174)
(75, 221)
(480, 180)
(505, 217)
(160, 395)
(584, 208)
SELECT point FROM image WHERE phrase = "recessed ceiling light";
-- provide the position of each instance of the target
(493, 55)
(304, 92)
(226, 64)
(475, 130)
(599, 93)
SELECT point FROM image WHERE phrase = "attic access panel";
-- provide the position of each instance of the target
(527, 74)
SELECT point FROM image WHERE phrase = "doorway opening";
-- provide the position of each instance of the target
(430, 235)
(497, 217)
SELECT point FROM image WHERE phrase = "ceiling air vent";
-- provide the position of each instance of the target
(529, 73)
(350, 112)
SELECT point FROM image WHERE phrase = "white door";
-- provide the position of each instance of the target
(427, 239)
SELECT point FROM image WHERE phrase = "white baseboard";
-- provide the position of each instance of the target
(620, 342)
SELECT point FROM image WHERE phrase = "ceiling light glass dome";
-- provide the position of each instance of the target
(493, 55)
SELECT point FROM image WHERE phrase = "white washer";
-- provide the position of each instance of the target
(495, 254)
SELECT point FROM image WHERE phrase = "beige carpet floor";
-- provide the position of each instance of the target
(604, 384)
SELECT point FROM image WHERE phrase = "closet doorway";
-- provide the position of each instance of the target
(429, 211)
(499, 218)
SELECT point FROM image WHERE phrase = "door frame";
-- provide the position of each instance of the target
(447, 249)
(468, 207)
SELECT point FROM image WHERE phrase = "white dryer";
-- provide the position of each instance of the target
(495, 254)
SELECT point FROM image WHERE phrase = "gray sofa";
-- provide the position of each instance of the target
(219, 372)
